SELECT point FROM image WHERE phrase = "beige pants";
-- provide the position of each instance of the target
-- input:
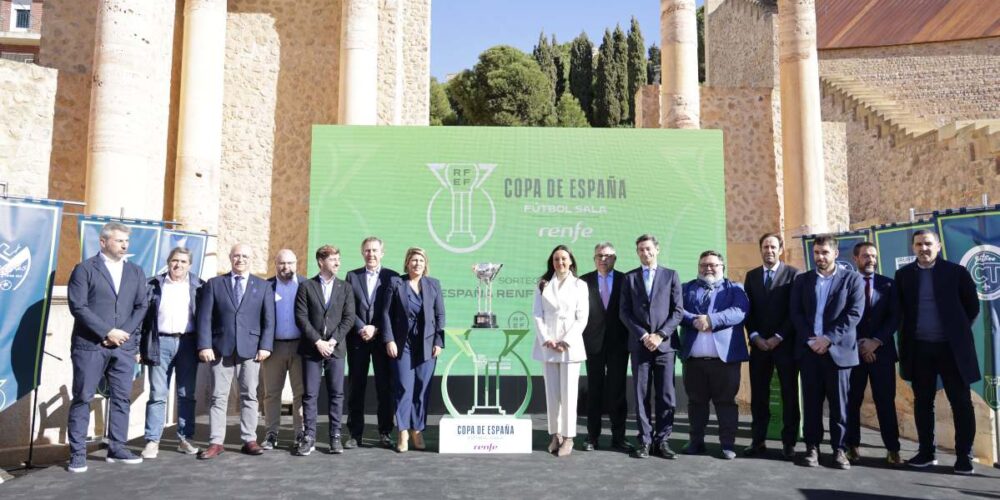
(285, 359)
(561, 387)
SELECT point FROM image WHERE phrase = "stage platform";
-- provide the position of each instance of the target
(371, 472)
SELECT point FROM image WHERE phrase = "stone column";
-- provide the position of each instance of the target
(679, 98)
(124, 159)
(359, 63)
(801, 128)
(199, 123)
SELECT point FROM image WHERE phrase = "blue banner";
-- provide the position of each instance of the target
(170, 239)
(845, 243)
(29, 240)
(972, 239)
(895, 245)
(143, 246)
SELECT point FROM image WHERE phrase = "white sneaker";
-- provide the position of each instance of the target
(187, 448)
(151, 450)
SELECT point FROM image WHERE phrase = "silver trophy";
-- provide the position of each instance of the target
(485, 273)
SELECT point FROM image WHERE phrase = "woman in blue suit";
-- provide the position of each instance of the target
(414, 337)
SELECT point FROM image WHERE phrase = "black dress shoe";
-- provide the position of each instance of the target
(788, 452)
(665, 451)
(385, 441)
(642, 451)
(754, 450)
(693, 448)
(622, 446)
(352, 443)
(588, 446)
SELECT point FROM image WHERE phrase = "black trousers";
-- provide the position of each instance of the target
(606, 373)
(360, 356)
(762, 367)
(882, 375)
(712, 380)
(330, 370)
(935, 359)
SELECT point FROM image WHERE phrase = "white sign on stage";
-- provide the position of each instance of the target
(485, 434)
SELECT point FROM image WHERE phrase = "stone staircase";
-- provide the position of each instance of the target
(893, 121)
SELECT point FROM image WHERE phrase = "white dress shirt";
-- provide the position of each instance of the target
(174, 314)
(115, 268)
(371, 280)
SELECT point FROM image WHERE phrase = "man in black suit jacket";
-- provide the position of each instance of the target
(772, 339)
(324, 312)
(235, 334)
(107, 298)
(938, 303)
(365, 346)
(826, 307)
(651, 309)
(606, 342)
(877, 350)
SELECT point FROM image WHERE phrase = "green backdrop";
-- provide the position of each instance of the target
(509, 195)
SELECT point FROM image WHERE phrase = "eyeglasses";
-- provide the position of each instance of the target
(709, 265)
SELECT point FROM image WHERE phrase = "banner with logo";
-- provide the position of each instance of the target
(143, 246)
(171, 239)
(845, 244)
(508, 196)
(895, 247)
(972, 239)
(29, 240)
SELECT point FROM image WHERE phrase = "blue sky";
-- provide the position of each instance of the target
(462, 29)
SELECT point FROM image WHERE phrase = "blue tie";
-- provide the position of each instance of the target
(238, 290)
(646, 281)
(767, 279)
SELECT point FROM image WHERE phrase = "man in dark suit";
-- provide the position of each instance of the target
(877, 350)
(107, 298)
(938, 303)
(235, 334)
(324, 312)
(772, 339)
(713, 349)
(651, 309)
(169, 346)
(606, 342)
(365, 347)
(826, 307)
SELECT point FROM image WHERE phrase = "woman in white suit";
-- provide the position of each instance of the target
(560, 310)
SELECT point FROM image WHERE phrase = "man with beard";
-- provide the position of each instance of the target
(713, 349)
(826, 307)
(285, 361)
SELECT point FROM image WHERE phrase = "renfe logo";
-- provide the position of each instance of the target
(461, 221)
(983, 263)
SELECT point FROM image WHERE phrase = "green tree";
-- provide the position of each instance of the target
(569, 113)
(620, 46)
(560, 54)
(700, 18)
(581, 73)
(653, 66)
(545, 56)
(440, 109)
(636, 65)
(505, 88)
(606, 104)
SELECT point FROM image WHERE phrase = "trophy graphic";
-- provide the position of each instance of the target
(485, 318)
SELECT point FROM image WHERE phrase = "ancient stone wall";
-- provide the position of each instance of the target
(939, 82)
(281, 77)
(403, 62)
(742, 45)
(28, 104)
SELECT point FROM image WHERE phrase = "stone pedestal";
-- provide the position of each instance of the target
(679, 105)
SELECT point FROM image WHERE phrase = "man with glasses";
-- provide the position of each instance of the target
(606, 342)
(713, 351)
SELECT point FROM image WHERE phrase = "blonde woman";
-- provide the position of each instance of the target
(414, 337)
(560, 310)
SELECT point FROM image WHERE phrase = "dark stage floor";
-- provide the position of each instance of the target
(379, 473)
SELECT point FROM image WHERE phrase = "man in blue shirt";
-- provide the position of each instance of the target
(285, 360)
(826, 306)
(714, 309)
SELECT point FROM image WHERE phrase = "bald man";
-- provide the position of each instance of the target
(285, 360)
(235, 334)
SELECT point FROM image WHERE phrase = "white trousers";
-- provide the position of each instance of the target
(562, 381)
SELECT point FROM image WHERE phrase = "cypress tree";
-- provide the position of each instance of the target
(581, 73)
(653, 66)
(636, 65)
(607, 101)
(620, 88)
(544, 56)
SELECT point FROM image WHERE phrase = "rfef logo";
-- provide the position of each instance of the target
(466, 223)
